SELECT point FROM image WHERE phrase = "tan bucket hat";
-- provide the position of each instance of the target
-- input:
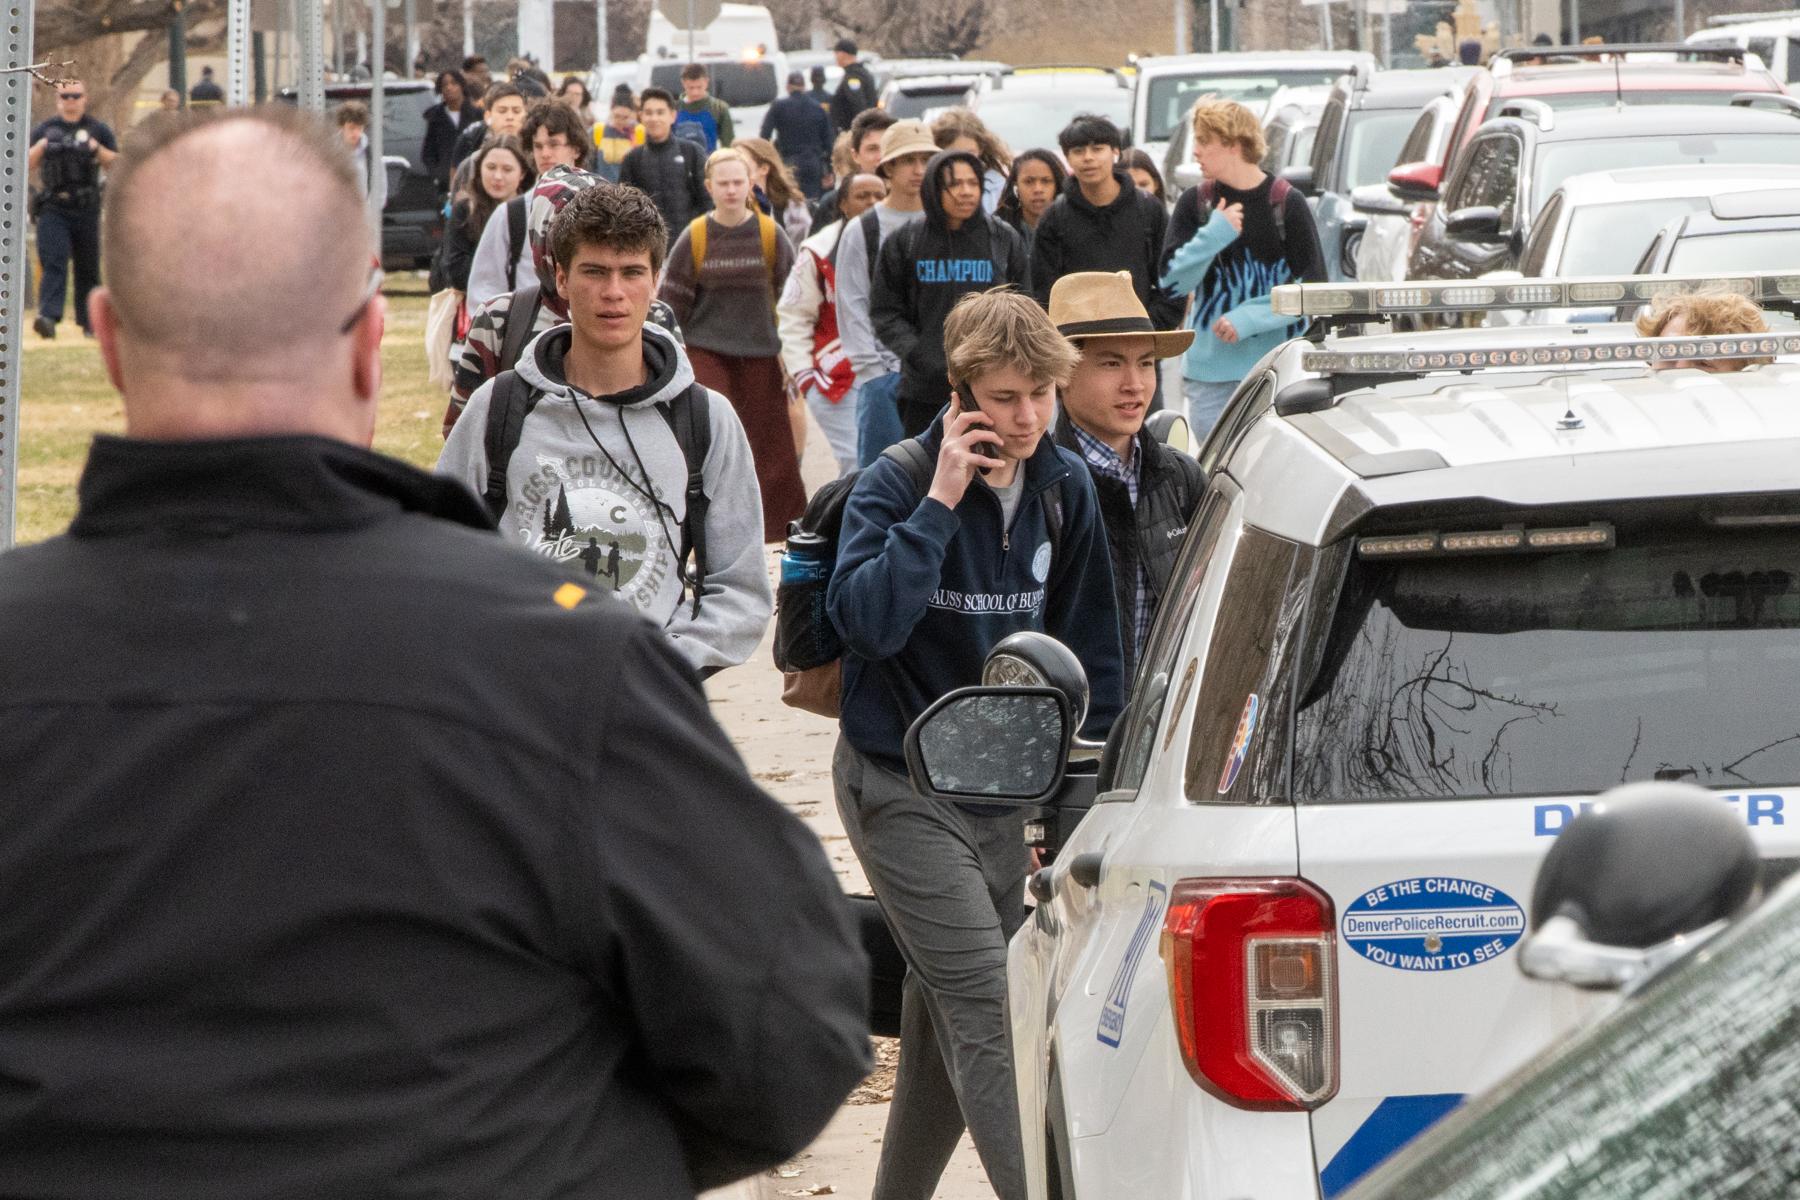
(1103, 304)
(906, 137)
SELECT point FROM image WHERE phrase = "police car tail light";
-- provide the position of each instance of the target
(1252, 966)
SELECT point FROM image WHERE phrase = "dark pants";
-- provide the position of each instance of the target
(755, 389)
(809, 173)
(64, 233)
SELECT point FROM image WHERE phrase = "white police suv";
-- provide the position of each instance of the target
(1443, 590)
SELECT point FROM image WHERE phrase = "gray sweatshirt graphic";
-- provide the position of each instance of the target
(609, 502)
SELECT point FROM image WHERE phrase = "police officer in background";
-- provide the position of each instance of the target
(68, 151)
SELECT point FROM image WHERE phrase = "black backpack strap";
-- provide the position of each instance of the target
(1053, 521)
(871, 227)
(690, 419)
(521, 319)
(915, 460)
(510, 402)
(515, 238)
(1278, 194)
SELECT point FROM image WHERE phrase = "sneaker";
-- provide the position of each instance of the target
(46, 328)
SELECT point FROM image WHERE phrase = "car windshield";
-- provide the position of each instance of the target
(916, 102)
(738, 84)
(1375, 139)
(1462, 676)
(1685, 1093)
(1171, 96)
(1758, 250)
(1034, 119)
(1606, 239)
(1559, 160)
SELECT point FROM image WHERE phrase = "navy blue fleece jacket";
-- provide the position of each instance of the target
(921, 592)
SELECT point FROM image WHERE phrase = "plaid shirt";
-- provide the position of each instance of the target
(1102, 459)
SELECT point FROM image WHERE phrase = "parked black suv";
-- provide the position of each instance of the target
(412, 221)
(1515, 161)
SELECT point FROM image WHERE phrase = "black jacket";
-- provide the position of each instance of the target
(1170, 488)
(456, 253)
(855, 91)
(1127, 235)
(347, 851)
(923, 269)
(673, 172)
(467, 143)
(802, 131)
(442, 129)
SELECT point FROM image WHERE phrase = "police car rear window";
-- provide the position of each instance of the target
(1516, 675)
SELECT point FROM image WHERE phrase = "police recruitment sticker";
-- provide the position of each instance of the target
(1433, 923)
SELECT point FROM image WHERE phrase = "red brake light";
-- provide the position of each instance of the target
(1252, 967)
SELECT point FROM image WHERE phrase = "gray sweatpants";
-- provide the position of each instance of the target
(951, 885)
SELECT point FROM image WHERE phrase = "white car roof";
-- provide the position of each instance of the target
(1681, 179)
(1246, 63)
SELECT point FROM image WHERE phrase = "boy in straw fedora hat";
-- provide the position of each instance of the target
(1148, 492)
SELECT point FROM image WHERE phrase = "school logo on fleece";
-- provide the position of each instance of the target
(579, 509)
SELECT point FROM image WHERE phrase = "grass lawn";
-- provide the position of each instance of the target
(66, 399)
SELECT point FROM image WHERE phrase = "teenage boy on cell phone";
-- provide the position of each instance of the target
(1006, 537)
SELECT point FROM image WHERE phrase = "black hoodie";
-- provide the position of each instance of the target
(924, 269)
(1127, 235)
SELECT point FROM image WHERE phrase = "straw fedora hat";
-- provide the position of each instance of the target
(906, 137)
(1103, 304)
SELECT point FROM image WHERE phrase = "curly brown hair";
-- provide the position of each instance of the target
(557, 117)
(617, 217)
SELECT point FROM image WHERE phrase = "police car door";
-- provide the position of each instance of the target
(1455, 712)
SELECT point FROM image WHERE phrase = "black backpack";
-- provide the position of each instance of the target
(807, 645)
(689, 416)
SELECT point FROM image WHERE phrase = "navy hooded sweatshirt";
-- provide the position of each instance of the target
(924, 269)
(921, 592)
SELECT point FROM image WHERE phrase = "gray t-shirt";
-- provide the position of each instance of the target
(856, 331)
(1009, 496)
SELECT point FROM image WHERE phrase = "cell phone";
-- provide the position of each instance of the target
(964, 399)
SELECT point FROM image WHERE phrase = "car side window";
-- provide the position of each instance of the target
(1167, 635)
(1538, 248)
(1236, 418)
(1325, 142)
(1472, 180)
(1500, 186)
(1793, 60)
(1763, 48)
(1418, 142)
(1237, 751)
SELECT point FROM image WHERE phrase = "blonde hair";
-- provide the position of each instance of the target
(729, 154)
(843, 164)
(782, 187)
(1227, 121)
(955, 123)
(1004, 328)
(1706, 314)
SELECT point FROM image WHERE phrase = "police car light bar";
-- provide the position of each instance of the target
(1384, 299)
(1548, 354)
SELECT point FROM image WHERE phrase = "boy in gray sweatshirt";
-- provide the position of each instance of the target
(598, 476)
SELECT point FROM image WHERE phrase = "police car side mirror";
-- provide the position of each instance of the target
(1377, 198)
(1187, 175)
(991, 745)
(1648, 872)
(1478, 223)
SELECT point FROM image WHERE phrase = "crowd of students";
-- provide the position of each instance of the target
(635, 405)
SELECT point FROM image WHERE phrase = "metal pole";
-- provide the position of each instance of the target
(410, 19)
(237, 53)
(690, 25)
(15, 128)
(178, 53)
(1387, 34)
(309, 81)
(1325, 22)
(600, 41)
(259, 57)
(468, 14)
(1681, 28)
(1212, 23)
(377, 106)
(337, 40)
(1574, 22)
